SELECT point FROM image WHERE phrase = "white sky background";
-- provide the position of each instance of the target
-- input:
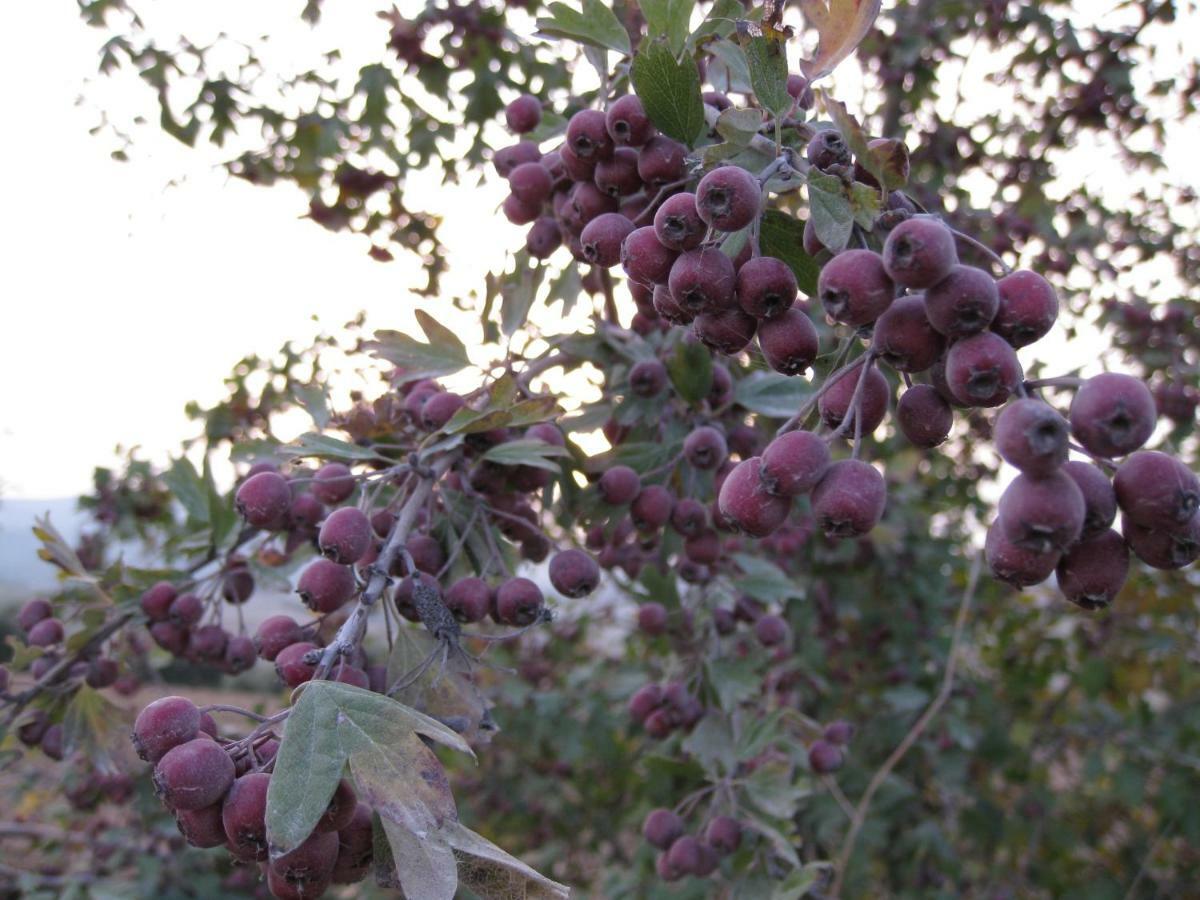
(122, 297)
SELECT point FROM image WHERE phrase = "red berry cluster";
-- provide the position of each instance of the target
(690, 855)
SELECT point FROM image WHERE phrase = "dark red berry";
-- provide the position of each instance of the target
(645, 259)
(274, 634)
(1157, 491)
(849, 500)
(662, 828)
(962, 303)
(839, 732)
(603, 237)
(837, 404)
(689, 517)
(824, 757)
(677, 223)
(155, 603)
(618, 176)
(771, 631)
(648, 378)
(827, 148)
(1042, 514)
(518, 602)
(728, 198)
(789, 342)
(619, 485)
(1015, 565)
(793, 463)
(523, 114)
(1027, 309)
(1164, 549)
(766, 287)
(574, 573)
(724, 834)
(290, 664)
(505, 160)
(305, 872)
(194, 774)
(325, 586)
(627, 122)
(644, 701)
(903, 337)
(652, 619)
(854, 287)
(469, 599)
(244, 816)
(1113, 414)
(264, 500)
(703, 281)
(341, 808)
(202, 827)
(45, 633)
(1098, 496)
(704, 448)
(919, 252)
(1092, 572)
(333, 483)
(745, 501)
(1031, 436)
(727, 331)
(661, 161)
(923, 416)
(587, 135)
(345, 535)
(982, 370)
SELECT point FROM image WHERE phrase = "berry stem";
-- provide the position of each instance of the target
(802, 413)
(610, 302)
(652, 207)
(982, 248)
(1065, 381)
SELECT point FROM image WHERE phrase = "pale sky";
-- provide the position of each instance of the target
(122, 297)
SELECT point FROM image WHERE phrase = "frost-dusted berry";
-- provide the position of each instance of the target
(208, 643)
(45, 633)
(341, 808)
(1100, 501)
(644, 259)
(703, 281)
(202, 827)
(1031, 436)
(745, 501)
(518, 602)
(508, 158)
(661, 161)
(723, 834)
(290, 664)
(618, 176)
(619, 485)
(1113, 414)
(627, 122)
(574, 573)
(523, 114)
(919, 252)
(728, 330)
(244, 816)
(1027, 309)
(704, 447)
(827, 148)
(426, 552)
(667, 309)
(825, 757)
(677, 223)
(728, 198)
(306, 871)
(854, 288)
(850, 499)
(793, 463)
(587, 135)
(651, 508)
(1015, 565)
(160, 597)
(662, 828)
(790, 342)
(836, 405)
(689, 517)
(648, 378)
(652, 619)
(772, 631)
(1042, 514)
(903, 337)
(163, 724)
(469, 599)
(345, 535)
(1092, 573)
(766, 287)
(982, 370)
(923, 416)
(530, 183)
(193, 775)
(264, 500)
(1155, 490)
(275, 633)
(240, 654)
(543, 238)
(1164, 549)
(333, 483)
(962, 303)
(325, 586)
(603, 237)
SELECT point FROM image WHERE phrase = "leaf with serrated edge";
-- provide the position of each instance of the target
(668, 19)
(841, 25)
(832, 218)
(439, 335)
(596, 24)
(187, 487)
(526, 452)
(766, 58)
(413, 358)
(326, 447)
(490, 872)
(771, 393)
(670, 91)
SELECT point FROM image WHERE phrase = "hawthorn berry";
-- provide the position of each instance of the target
(38, 609)
(704, 448)
(1042, 514)
(766, 287)
(587, 135)
(1167, 550)
(904, 338)
(1027, 308)
(627, 123)
(518, 602)
(185, 610)
(728, 330)
(290, 664)
(661, 161)
(325, 586)
(1093, 571)
(523, 114)
(1156, 491)
(619, 485)
(543, 238)
(345, 535)
(962, 303)
(618, 176)
(839, 732)
(703, 281)
(1031, 436)
(689, 517)
(201, 827)
(789, 341)
(793, 463)
(644, 701)
(648, 378)
(574, 573)
(982, 370)
(1099, 498)
(826, 149)
(355, 847)
(1113, 414)
(341, 808)
(264, 500)
(836, 405)
(439, 409)
(677, 223)
(728, 198)
(275, 633)
(924, 416)
(662, 828)
(854, 287)
(919, 252)
(306, 871)
(825, 757)
(651, 508)
(1018, 566)
(194, 774)
(45, 633)
(652, 619)
(333, 483)
(244, 816)
(470, 599)
(603, 237)
(505, 160)
(849, 499)
(724, 834)
(645, 259)
(771, 631)
(745, 501)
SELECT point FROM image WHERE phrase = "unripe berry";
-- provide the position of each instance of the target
(275, 633)
(703, 281)
(827, 148)
(677, 223)
(290, 664)
(194, 774)
(748, 505)
(619, 485)
(518, 602)
(1042, 514)
(644, 259)
(661, 161)
(1027, 309)
(849, 500)
(45, 633)
(574, 573)
(766, 287)
(1099, 498)
(1092, 573)
(704, 448)
(627, 123)
(587, 135)
(618, 176)
(345, 535)
(508, 158)
(1113, 414)
(903, 337)
(202, 827)
(793, 463)
(982, 370)
(662, 828)
(333, 483)
(648, 378)
(603, 237)
(325, 586)
(264, 500)
(1031, 436)
(1164, 549)
(160, 597)
(836, 405)
(244, 816)
(523, 114)
(651, 508)
(919, 252)
(728, 198)
(470, 599)
(771, 631)
(724, 834)
(652, 619)
(825, 758)
(727, 331)
(854, 287)
(789, 342)
(962, 303)
(1157, 491)
(923, 416)
(1015, 565)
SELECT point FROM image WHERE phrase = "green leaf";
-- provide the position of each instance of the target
(739, 126)
(730, 57)
(518, 290)
(764, 580)
(800, 882)
(668, 19)
(779, 843)
(490, 872)
(425, 864)
(766, 58)
(691, 370)
(772, 788)
(832, 216)
(670, 91)
(841, 25)
(526, 452)
(415, 359)
(532, 411)
(439, 335)
(782, 236)
(720, 21)
(189, 488)
(443, 691)
(325, 447)
(640, 456)
(734, 680)
(865, 205)
(94, 725)
(771, 393)
(711, 743)
(596, 24)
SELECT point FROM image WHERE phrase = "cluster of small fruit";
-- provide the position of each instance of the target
(684, 854)
(217, 791)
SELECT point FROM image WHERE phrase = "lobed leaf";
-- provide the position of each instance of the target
(594, 24)
(326, 447)
(417, 360)
(841, 26)
(668, 19)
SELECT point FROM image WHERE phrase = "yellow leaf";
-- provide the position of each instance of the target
(841, 25)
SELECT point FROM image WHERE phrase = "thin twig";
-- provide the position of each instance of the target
(835, 791)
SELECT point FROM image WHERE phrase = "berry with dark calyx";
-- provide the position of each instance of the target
(1113, 414)
(745, 501)
(703, 281)
(677, 223)
(644, 701)
(325, 586)
(724, 834)
(652, 619)
(290, 664)
(1092, 572)
(771, 631)
(523, 114)
(1017, 566)
(194, 774)
(305, 872)
(827, 148)
(186, 610)
(202, 827)
(1164, 549)
(645, 259)
(661, 162)
(341, 808)
(704, 448)
(627, 123)
(1027, 309)
(275, 633)
(264, 500)
(345, 535)
(587, 135)
(982, 370)
(850, 499)
(355, 847)
(1099, 498)
(662, 828)
(903, 337)
(919, 252)
(237, 584)
(648, 378)
(1042, 514)
(766, 287)
(727, 331)
(689, 517)
(508, 158)
(854, 287)
(1031, 436)
(790, 342)
(470, 599)
(518, 602)
(160, 597)
(1157, 491)
(45, 633)
(839, 732)
(244, 816)
(619, 485)
(618, 176)
(793, 463)
(574, 573)
(586, 202)
(836, 405)
(728, 198)
(825, 757)
(962, 303)
(603, 237)
(333, 483)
